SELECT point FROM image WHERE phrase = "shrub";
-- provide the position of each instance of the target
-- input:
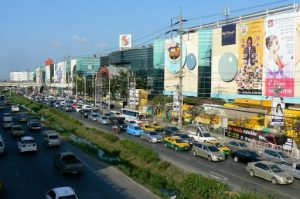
(110, 137)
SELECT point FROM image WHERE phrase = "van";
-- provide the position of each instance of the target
(199, 133)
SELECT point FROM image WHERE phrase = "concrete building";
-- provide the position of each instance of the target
(21, 76)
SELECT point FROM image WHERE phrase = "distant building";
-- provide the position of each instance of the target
(22, 76)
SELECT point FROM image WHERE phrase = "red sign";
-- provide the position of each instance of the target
(286, 84)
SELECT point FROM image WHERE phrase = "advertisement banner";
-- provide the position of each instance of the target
(125, 41)
(229, 34)
(280, 54)
(277, 111)
(60, 73)
(47, 74)
(250, 57)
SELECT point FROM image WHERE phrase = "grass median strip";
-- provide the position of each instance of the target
(137, 161)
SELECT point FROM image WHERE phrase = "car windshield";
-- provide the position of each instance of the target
(206, 135)
(184, 136)
(174, 129)
(275, 168)
(180, 141)
(28, 142)
(94, 115)
(53, 137)
(219, 144)
(242, 144)
(105, 118)
(17, 128)
(213, 149)
(297, 167)
(1, 144)
(152, 133)
(283, 155)
(253, 154)
(137, 128)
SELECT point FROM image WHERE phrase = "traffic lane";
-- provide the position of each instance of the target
(30, 175)
(228, 171)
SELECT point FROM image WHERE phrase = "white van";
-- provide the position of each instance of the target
(7, 120)
(199, 133)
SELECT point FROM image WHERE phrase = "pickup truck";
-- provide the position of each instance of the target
(67, 162)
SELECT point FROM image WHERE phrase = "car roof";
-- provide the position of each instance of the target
(51, 134)
(63, 191)
(27, 138)
(66, 153)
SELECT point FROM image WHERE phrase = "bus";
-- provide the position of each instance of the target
(137, 116)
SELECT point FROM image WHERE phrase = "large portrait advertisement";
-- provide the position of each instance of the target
(60, 73)
(277, 111)
(47, 75)
(250, 58)
(280, 55)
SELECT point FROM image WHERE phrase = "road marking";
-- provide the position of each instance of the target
(217, 176)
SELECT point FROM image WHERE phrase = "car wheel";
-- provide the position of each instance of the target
(209, 158)
(235, 158)
(194, 153)
(251, 173)
(274, 181)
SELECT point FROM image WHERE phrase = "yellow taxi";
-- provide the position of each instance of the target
(222, 147)
(176, 143)
(147, 127)
(157, 127)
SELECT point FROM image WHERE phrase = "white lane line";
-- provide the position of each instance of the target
(217, 176)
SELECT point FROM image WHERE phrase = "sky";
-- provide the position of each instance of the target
(33, 30)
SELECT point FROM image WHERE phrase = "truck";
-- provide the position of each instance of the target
(67, 162)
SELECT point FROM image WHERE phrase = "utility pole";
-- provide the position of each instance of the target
(109, 92)
(180, 72)
(95, 88)
(76, 86)
(84, 87)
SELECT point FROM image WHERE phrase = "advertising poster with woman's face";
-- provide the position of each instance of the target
(250, 60)
(280, 54)
(277, 111)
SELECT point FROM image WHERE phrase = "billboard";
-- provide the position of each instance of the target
(250, 58)
(280, 55)
(189, 66)
(125, 41)
(60, 73)
(47, 74)
(277, 111)
(228, 34)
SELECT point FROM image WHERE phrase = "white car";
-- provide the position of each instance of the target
(51, 139)
(199, 133)
(61, 192)
(15, 108)
(27, 143)
(78, 108)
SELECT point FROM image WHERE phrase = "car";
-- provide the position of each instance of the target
(67, 107)
(22, 118)
(87, 107)
(93, 117)
(119, 125)
(61, 193)
(34, 124)
(269, 171)
(15, 108)
(2, 105)
(67, 162)
(236, 145)
(78, 108)
(185, 137)
(151, 136)
(27, 144)
(17, 131)
(7, 120)
(208, 151)
(51, 139)
(157, 127)
(277, 155)
(199, 133)
(169, 130)
(147, 127)
(84, 113)
(134, 129)
(226, 150)
(103, 120)
(245, 156)
(176, 143)
(292, 168)
(2, 145)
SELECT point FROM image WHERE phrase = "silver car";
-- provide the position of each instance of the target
(292, 168)
(51, 139)
(277, 155)
(208, 151)
(151, 136)
(236, 145)
(269, 171)
(103, 120)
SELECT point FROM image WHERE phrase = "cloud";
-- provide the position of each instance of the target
(101, 45)
(79, 38)
(56, 43)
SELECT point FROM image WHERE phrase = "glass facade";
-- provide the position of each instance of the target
(158, 65)
(88, 65)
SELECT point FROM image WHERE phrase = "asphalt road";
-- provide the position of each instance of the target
(31, 175)
(228, 171)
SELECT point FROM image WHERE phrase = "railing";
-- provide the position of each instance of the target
(258, 145)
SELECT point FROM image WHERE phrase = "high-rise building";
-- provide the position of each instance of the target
(21, 76)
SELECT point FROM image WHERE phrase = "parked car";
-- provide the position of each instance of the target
(67, 162)
(169, 130)
(2, 145)
(292, 168)
(226, 150)
(84, 113)
(17, 131)
(245, 156)
(147, 127)
(93, 117)
(269, 171)
(15, 108)
(51, 139)
(103, 120)
(26, 144)
(208, 151)
(7, 120)
(151, 136)
(176, 143)
(277, 155)
(185, 137)
(134, 129)
(34, 124)
(22, 118)
(199, 133)
(236, 145)
(60, 193)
